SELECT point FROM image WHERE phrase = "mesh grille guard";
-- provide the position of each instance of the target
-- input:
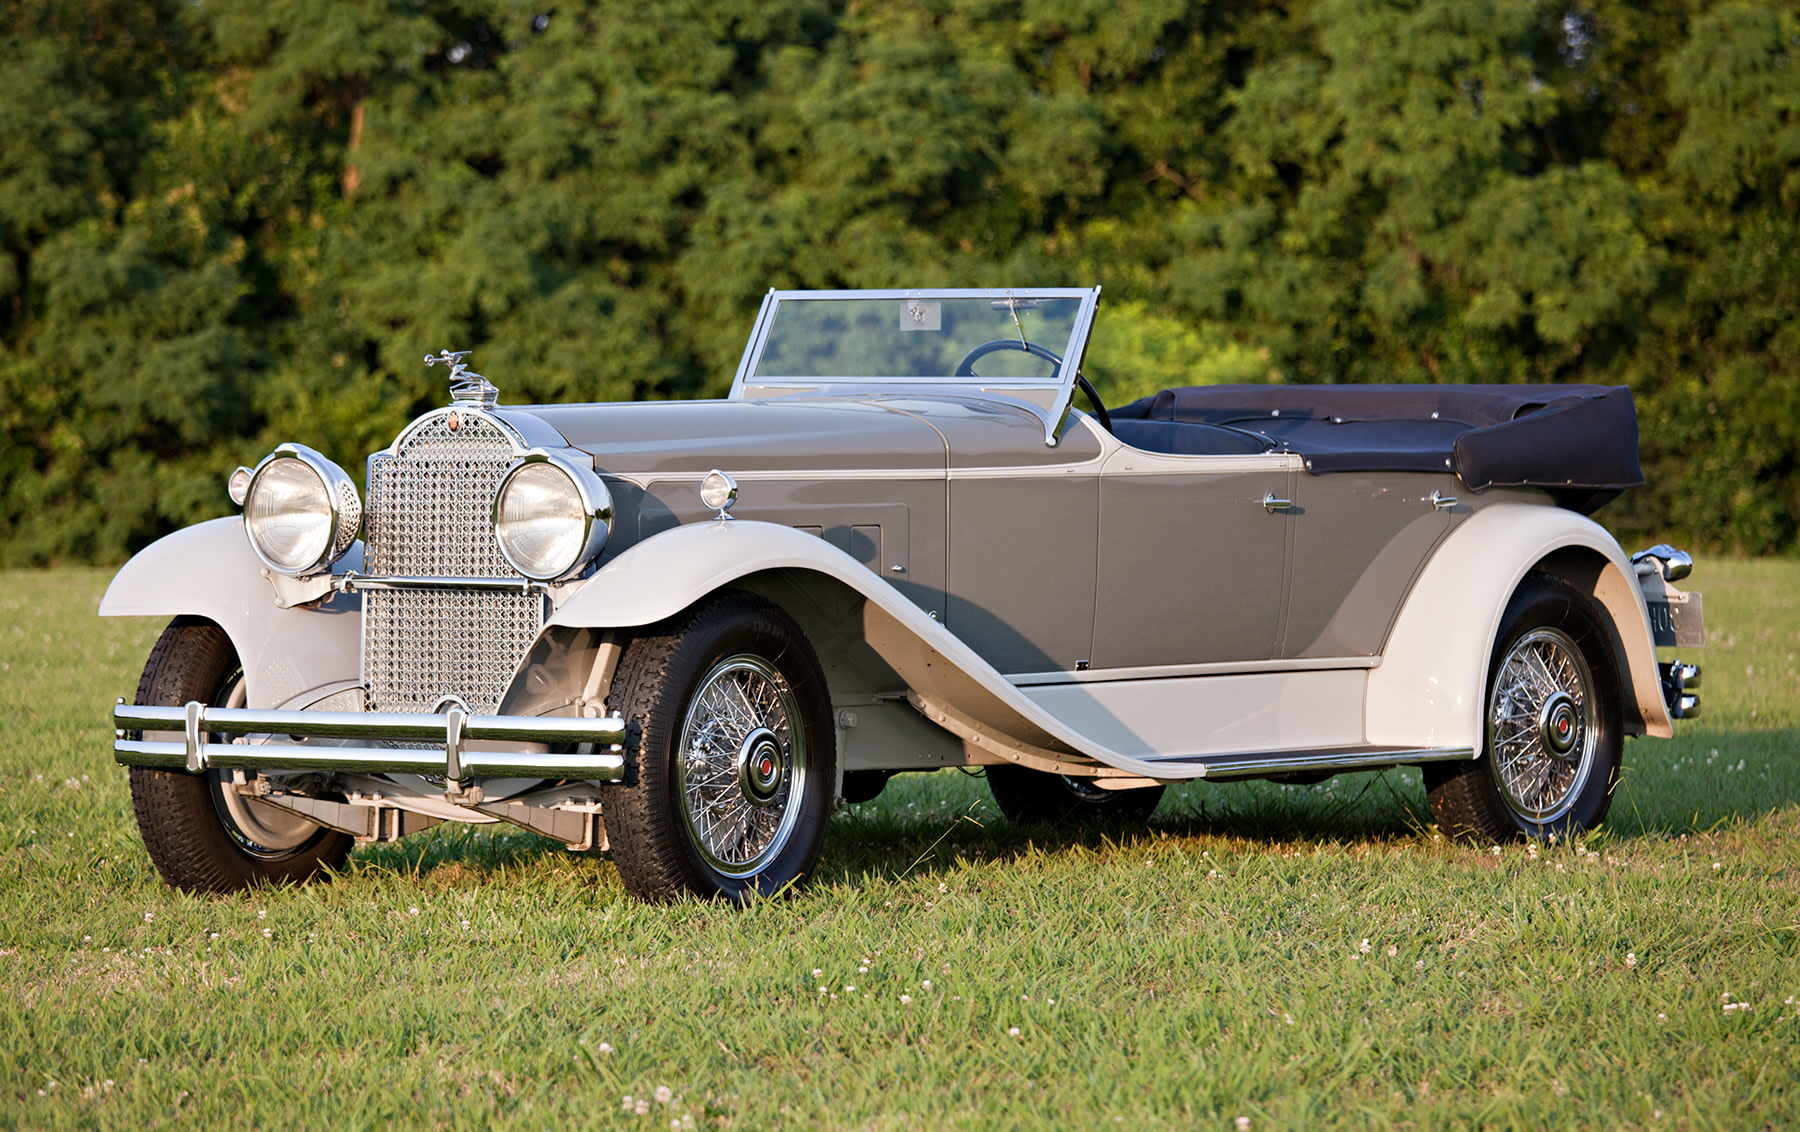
(429, 515)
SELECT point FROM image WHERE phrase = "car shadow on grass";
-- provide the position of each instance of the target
(1704, 781)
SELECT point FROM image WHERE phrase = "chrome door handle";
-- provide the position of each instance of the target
(1441, 502)
(1272, 504)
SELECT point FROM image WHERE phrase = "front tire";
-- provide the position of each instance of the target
(1554, 725)
(202, 835)
(731, 756)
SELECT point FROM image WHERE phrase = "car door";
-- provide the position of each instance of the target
(1193, 558)
(1360, 538)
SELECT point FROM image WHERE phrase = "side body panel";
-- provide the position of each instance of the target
(1192, 565)
(1359, 541)
(290, 656)
(1429, 687)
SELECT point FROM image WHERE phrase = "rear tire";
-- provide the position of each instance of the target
(1554, 728)
(731, 757)
(1035, 797)
(203, 836)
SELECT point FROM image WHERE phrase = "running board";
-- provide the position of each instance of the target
(1315, 759)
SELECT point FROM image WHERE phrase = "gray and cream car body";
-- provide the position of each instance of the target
(901, 543)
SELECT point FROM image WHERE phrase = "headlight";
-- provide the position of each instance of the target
(550, 517)
(301, 511)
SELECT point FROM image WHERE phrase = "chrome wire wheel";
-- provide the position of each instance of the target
(265, 832)
(1543, 725)
(741, 766)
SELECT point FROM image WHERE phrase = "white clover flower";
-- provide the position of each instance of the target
(1243, 1124)
(606, 1047)
(942, 887)
(664, 1094)
(627, 1102)
(148, 916)
(848, 988)
(906, 1000)
(862, 970)
(1393, 950)
(1631, 958)
(926, 984)
(642, 1108)
(817, 972)
(1363, 947)
(1013, 1032)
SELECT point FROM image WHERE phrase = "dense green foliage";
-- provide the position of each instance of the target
(232, 222)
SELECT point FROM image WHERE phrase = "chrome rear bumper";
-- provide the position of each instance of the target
(197, 724)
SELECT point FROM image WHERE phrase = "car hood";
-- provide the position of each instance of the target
(656, 437)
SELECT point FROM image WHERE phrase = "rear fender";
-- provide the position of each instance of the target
(1429, 687)
(291, 657)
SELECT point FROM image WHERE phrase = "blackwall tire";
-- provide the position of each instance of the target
(1035, 797)
(201, 836)
(1553, 725)
(731, 758)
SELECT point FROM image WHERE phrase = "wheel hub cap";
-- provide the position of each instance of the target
(761, 766)
(1559, 724)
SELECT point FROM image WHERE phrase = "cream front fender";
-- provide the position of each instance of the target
(290, 656)
(1429, 687)
(950, 683)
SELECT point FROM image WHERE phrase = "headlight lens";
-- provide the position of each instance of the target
(551, 518)
(300, 511)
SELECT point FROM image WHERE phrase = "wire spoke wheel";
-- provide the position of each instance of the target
(1542, 725)
(731, 760)
(742, 765)
(262, 831)
(1554, 724)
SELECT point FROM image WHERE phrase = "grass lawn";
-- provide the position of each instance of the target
(1296, 956)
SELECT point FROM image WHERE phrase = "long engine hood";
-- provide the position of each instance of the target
(648, 438)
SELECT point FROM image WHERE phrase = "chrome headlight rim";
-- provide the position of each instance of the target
(596, 514)
(343, 508)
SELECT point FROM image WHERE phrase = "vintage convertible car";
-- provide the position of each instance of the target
(693, 629)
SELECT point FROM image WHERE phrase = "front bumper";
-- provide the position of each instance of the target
(200, 726)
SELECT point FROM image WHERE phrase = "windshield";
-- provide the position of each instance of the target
(997, 337)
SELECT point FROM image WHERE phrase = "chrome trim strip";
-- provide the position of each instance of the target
(1215, 668)
(193, 720)
(1340, 758)
(374, 725)
(351, 582)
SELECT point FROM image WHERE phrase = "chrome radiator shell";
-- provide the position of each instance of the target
(429, 515)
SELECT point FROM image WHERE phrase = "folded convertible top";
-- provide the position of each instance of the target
(1580, 441)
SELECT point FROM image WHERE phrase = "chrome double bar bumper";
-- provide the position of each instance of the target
(196, 723)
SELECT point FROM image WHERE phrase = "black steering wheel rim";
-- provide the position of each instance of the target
(966, 368)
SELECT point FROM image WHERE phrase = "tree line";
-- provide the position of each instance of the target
(225, 223)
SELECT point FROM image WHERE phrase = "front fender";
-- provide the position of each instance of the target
(663, 575)
(290, 656)
(1429, 687)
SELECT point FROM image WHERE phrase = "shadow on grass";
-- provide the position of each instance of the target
(1703, 781)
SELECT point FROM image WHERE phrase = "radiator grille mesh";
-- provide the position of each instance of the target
(429, 516)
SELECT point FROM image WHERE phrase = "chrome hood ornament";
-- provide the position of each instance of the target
(466, 386)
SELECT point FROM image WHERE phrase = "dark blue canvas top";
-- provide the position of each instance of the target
(1579, 441)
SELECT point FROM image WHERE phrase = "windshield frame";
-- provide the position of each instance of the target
(1047, 396)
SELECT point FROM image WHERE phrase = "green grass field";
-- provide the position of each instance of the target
(1295, 956)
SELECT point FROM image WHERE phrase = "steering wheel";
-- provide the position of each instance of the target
(966, 368)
